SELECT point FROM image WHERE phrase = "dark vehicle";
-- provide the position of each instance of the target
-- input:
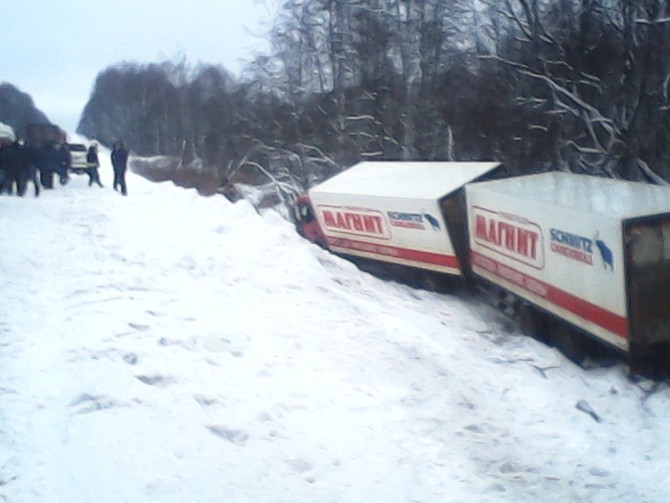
(38, 135)
(43, 142)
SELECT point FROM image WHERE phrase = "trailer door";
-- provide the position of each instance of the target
(648, 278)
(454, 212)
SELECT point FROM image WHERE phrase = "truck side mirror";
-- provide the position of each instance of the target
(305, 212)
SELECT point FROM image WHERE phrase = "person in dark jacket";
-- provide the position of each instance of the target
(45, 161)
(6, 160)
(120, 163)
(17, 168)
(3, 175)
(92, 165)
(64, 163)
(48, 161)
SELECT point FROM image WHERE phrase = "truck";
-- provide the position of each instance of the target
(591, 252)
(573, 258)
(407, 214)
(38, 135)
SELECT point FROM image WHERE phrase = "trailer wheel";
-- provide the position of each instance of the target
(430, 281)
(569, 342)
(529, 320)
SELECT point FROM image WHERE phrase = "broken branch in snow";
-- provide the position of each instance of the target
(584, 406)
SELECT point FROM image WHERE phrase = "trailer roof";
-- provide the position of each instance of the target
(602, 196)
(402, 179)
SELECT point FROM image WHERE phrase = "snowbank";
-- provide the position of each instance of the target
(169, 347)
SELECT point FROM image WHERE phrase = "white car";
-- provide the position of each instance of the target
(7, 135)
(78, 155)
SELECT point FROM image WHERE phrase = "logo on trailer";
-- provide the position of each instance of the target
(581, 248)
(434, 222)
(605, 254)
(413, 220)
(509, 235)
(357, 221)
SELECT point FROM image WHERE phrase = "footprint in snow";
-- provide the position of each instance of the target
(156, 380)
(218, 344)
(130, 358)
(186, 262)
(139, 326)
(86, 403)
(299, 465)
(238, 437)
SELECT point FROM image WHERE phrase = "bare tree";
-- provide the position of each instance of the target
(598, 78)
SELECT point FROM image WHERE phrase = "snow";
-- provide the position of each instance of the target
(587, 194)
(165, 347)
(430, 180)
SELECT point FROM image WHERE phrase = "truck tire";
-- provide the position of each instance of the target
(529, 320)
(569, 342)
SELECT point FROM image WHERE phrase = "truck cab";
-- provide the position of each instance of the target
(306, 222)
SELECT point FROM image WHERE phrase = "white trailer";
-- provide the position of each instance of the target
(397, 212)
(594, 252)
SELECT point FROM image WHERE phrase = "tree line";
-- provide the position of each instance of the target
(17, 109)
(579, 85)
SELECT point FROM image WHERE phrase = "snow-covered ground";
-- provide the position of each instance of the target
(167, 347)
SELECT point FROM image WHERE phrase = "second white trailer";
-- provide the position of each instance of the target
(591, 251)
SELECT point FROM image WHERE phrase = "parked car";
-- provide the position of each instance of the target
(7, 135)
(78, 154)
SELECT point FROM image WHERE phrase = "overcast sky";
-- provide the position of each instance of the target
(54, 49)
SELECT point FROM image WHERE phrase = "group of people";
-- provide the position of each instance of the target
(20, 164)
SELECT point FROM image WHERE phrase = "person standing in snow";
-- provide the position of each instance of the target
(48, 162)
(120, 163)
(92, 165)
(64, 163)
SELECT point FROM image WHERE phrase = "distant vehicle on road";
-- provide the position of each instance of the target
(78, 155)
(7, 135)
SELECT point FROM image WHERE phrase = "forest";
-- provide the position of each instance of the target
(574, 85)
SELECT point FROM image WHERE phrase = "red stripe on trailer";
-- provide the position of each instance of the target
(408, 254)
(584, 309)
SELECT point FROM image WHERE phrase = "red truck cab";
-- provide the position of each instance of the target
(306, 222)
